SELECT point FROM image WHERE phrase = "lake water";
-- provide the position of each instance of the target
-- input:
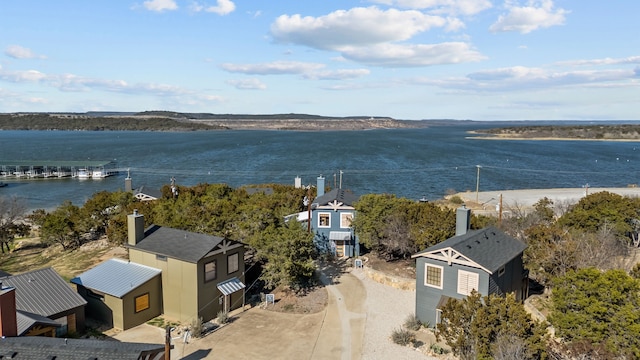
(412, 163)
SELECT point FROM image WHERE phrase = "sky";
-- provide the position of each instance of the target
(405, 59)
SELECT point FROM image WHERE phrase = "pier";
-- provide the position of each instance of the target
(35, 169)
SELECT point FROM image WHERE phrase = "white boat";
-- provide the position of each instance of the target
(83, 174)
(98, 174)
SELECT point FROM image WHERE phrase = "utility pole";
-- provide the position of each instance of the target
(340, 179)
(478, 182)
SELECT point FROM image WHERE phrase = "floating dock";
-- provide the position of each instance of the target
(34, 169)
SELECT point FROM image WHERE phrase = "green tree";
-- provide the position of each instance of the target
(600, 308)
(62, 227)
(288, 252)
(12, 211)
(490, 327)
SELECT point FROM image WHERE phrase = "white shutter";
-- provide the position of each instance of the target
(467, 281)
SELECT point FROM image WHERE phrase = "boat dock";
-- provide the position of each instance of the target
(33, 169)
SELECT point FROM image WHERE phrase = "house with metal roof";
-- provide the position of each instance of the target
(331, 216)
(120, 293)
(44, 304)
(201, 274)
(38, 347)
(487, 260)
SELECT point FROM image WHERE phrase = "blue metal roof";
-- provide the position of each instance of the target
(116, 277)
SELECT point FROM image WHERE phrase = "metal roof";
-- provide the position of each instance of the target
(489, 247)
(178, 244)
(41, 347)
(339, 235)
(52, 163)
(116, 277)
(230, 286)
(43, 292)
(26, 320)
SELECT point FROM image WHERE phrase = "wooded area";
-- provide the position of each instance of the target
(584, 132)
(578, 252)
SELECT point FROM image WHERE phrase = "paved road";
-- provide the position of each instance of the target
(489, 199)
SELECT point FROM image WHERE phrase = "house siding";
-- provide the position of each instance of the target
(209, 299)
(427, 297)
(322, 239)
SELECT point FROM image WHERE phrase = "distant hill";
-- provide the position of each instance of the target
(177, 121)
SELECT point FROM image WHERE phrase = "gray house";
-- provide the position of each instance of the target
(487, 260)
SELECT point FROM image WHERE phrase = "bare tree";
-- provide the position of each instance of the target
(12, 212)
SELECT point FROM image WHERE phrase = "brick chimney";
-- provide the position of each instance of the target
(8, 317)
(463, 220)
(135, 227)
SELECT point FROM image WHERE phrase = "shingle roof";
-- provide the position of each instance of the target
(179, 244)
(116, 277)
(39, 347)
(344, 196)
(489, 247)
(43, 292)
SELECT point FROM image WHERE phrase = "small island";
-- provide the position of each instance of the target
(614, 132)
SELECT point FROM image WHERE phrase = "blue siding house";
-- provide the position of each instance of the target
(487, 260)
(331, 216)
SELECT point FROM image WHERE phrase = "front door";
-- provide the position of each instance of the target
(339, 248)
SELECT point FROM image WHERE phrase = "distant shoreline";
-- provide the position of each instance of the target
(482, 136)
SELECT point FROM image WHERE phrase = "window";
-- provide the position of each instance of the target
(467, 281)
(210, 271)
(324, 220)
(142, 302)
(232, 263)
(433, 276)
(161, 257)
(501, 271)
(345, 220)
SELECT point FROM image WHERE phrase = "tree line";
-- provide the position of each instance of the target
(578, 252)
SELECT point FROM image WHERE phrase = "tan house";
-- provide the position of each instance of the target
(201, 274)
(120, 293)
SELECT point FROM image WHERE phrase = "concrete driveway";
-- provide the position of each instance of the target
(335, 333)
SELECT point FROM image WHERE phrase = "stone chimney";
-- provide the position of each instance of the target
(463, 220)
(8, 316)
(320, 186)
(135, 226)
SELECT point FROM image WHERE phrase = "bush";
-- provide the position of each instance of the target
(223, 317)
(412, 323)
(437, 349)
(196, 328)
(403, 337)
(456, 200)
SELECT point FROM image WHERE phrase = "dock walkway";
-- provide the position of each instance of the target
(37, 169)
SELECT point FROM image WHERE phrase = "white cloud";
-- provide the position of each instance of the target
(22, 76)
(605, 61)
(272, 68)
(354, 27)
(342, 74)
(392, 55)
(247, 84)
(19, 52)
(535, 15)
(464, 7)
(160, 5)
(222, 7)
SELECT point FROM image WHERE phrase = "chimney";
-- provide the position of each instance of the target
(135, 226)
(8, 316)
(298, 182)
(320, 186)
(128, 185)
(463, 220)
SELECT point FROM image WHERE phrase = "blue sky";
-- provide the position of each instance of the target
(407, 59)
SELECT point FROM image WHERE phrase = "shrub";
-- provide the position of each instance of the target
(196, 328)
(412, 323)
(437, 349)
(403, 337)
(456, 200)
(223, 317)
